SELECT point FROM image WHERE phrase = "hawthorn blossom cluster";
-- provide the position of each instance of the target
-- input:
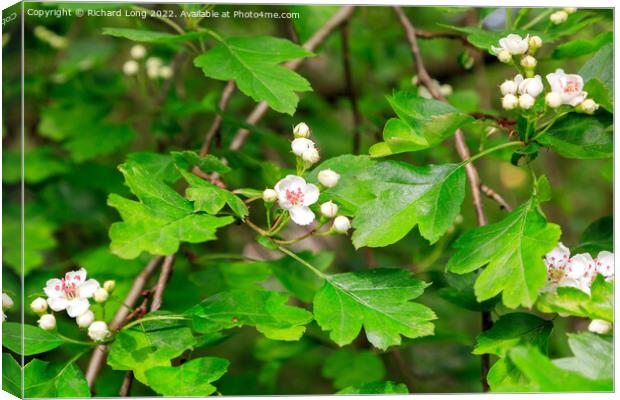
(521, 92)
(578, 271)
(7, 304)
(295, 195)
(561, 16)
(155, 67)
(72, 293)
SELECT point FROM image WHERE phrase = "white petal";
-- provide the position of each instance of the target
(302, 215)
(288, 182)
(53, 288)
(311, 194)
(87, 289)
(57, 303)
(77, 307)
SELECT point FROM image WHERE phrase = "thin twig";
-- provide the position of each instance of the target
(164, 275)
(99, 353)
(126, 386)
(348, 75)
(492, 194)
(443, 35)
(217, 121)
(315, 40)
(463, 150)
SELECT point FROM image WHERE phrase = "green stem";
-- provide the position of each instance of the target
(75, 341)
(281, 223)
(491, 150)
(302, 261)
(156, 318)
(548, 125)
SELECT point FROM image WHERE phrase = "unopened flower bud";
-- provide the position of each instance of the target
(84, 320)
(558, 17)
(534, 43)
(328, 178)
(7, 302)
(109, 286)
(588, 106)
(47, 322)
(301, 130)
(329, 209)
(342, 224)
(504, 56)
(100, 295)
(300, 145)
(269, 195)
(553, 99)
(570, 10)
(130, 67)
(39, 306)
(510, 101)
(165, 72)
(508, 87)
(526, 101)
(98, 331)
(599, 326)
(138, 51)
(311, 156)
(528, 62)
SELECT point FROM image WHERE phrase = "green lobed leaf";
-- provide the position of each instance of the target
(267, 311)
(377, 300)
(511, 330)
(149, 344)
(160, 166)
(36, 340)
(159, 221)
(148, 36)
(51, 380)
(376, 388)
(597, 237)
(11, 375)
(572, 301)
(352, 368)
(252, 62)
(387, 199)
(581, 136)
(421, 124)
(512, 251)
(211, 198)
(580, 47)
(207, 163)
(593, 356)
(190, 379)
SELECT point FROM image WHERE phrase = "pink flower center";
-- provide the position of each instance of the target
(69, 288)
(572, 87)
(295, 197)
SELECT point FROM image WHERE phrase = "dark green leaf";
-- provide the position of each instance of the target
(299, 280)
(208, 163)
(598, 92)
(580, 47)
(253, 63)
(190, 379)
(597, 237)
(352, 368)
(376, 388)
(600, 66)
(581, 136)
(511, 330)
(146, 36)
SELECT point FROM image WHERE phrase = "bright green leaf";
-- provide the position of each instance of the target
(36, 340)
(580, 47)
(11, 375)
(207, 163)
(376, 299)
(253, 63)
(159, 221)
(43, 379)
(190, 379)
(159, 166)
(512, 251)
(211, 198)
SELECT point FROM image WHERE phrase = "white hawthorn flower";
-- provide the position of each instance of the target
(7, 301)
(342, 224)
(515, 44)
(295, 196)
(329, 209)
(553, 99)
(604, 264)
(568, 86)
(526, 101)
(535, 43)
(311, 156)
(599, 326)
(84, 320)
(137, 51)
(269, 195)
(579, 266)
(71, 293)
(130, 67)
(98, 331)
(301, 130)
(588, 106)
(508, 87)
(165, 72)
(39, 306)
(109, 286)
(529, 62)
(300, 145)
(47, 322)
(510, 101)
(532, 86)
(558, 17)
(100, 295)
(558, 257)
(328, 178)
